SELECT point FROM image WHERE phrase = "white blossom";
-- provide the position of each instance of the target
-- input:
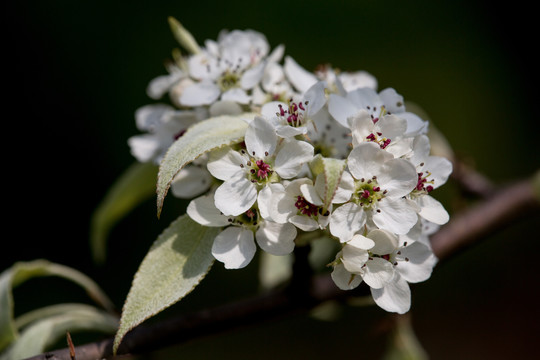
(245, 172)
(433, 171)
(377, 183)
(163, 125)
(235, 245)
(385, 102)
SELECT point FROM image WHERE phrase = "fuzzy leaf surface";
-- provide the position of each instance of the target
(175, 264)
(199, 139)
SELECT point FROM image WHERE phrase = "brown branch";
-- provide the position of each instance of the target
(465, 229)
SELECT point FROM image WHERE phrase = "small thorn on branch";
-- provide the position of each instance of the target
(71, 346)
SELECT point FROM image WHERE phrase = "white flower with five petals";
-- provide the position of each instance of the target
(235, 245)
(388, 101)
(266, 159)
(376, 184)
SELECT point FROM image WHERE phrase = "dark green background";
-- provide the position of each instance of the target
(77, 71)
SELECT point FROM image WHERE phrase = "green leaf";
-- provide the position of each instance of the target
(332, 169)
(51, 325)
(22, 271)
(183, 36)
(200, 138)
(177, 261)
(137, 184)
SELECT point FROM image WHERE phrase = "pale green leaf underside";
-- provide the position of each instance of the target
(176, 263)
(137, 184)
(22, 271)
(51, 325)
(332, 170)
(200, 138)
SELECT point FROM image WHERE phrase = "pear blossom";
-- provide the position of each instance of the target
(236, 246)
(294, 118)
(388, 101)
(376, 184)
(386, 265)
(228, 69)
(388, 131)
(163, 124)
(433, 171)
(340, 82)
(265, 160)
(263, 190)
(300, 203)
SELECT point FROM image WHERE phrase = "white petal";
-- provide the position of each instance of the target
(432, 210)
(235, 196)
(393, 101)
(440, 169)
(398, 177)
(364, 98)
(252, 76)
(395, 216)
(354, 259)
(277, 54)
(361, 242)
(310, 194)
(385, 242)
(236, 95)
(361, 126)
(366, 160)
(345, 188)
(260, 138)
(270, 109)
(191, 181)
(149, 116)
(287, 131)
(344, 279)
(160, 85)
(378, 272)
(276, 239)
(225, 163)
(419, 264)
(203, 93)
(347, 220)
(225, 108)
(267, 200)
(341, 109)
(394, 297)
(203, 211)
(291, 157)
(358, 79)
(304, 223)
(234, 247)
(421, 149)
(315, 97)
(301, 79)
(144, 147)
(415, 125)
(392, 126)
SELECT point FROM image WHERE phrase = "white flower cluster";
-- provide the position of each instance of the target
(263, 190)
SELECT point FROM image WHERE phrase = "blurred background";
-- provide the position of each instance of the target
(77, 71)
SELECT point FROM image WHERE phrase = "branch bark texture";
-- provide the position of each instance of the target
(499, 208)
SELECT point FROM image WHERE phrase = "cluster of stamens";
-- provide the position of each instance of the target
(294, 114)
(305, 207)
(422, 181)
(259, 170)
(382, 141)
(228, 80)
(368, 193)
(248, 219)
